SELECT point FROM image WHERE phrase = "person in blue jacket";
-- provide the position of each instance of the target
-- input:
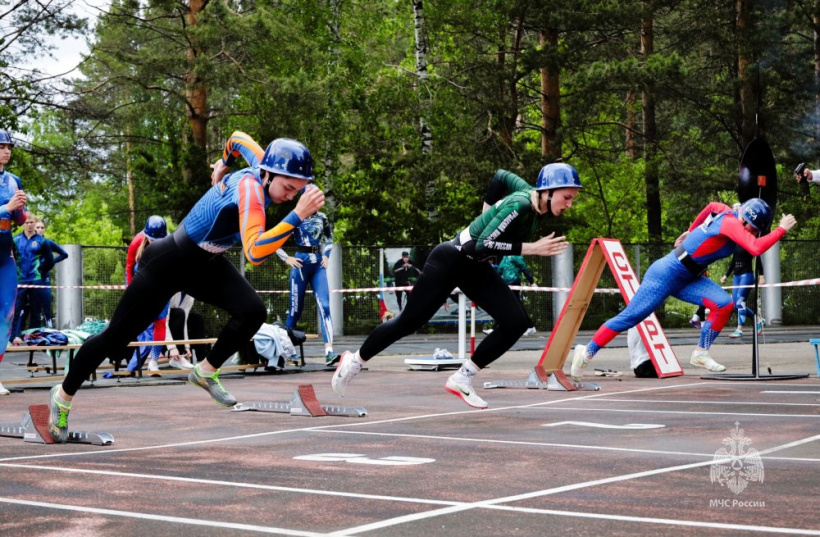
(33, 258)
(12, 212)
(59, 254)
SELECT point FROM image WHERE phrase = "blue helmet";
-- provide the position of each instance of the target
(155, 228)
(285, 156)
(757, 213)
(557, 175)
(5, 138)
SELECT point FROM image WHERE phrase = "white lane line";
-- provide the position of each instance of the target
(234, 484)
(790, 391)
(683, 402)
(550, 444)
(163, 518)
(105, 451)
(686, 413)
(566, 488)
(628, 426)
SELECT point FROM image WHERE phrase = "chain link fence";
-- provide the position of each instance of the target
(361, 269)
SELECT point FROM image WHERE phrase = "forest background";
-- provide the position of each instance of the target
(410, 107)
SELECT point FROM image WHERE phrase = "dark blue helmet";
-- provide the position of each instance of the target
(155, 228)
(757, 213)
(557, 175)
(288, 157)
(5, 138)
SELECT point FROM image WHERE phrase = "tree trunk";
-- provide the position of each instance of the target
(423, 92)
(816, 28)
(196, 93)
(332, 116)
(129, 179)
(748, 99)
(550, 100)
(650, 133)
(631, 126)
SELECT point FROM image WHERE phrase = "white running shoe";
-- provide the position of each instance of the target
(488, 331)
(465, 391)
(180, 362)
(530, 331)
(153, 367)
(3, 390)
(736, 334)
(579, 362)
(345, 372)
(707, 362)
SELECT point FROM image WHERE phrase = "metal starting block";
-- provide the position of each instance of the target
(34, 428)
(303, 403)
(539, 380)
(431, 363)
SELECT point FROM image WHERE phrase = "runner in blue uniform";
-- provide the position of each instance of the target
(314, 242)
(744, 276)
(34, 257)
(513, 211)
(713, 235)
(190, 260)
(12, 212)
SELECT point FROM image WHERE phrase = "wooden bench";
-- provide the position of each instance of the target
(816, 343)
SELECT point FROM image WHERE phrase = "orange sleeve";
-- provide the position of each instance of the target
(242, 144)
(257, 243)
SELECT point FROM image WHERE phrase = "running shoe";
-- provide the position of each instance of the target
(153, 367)
(488, 331)
(211, 384)
(736, 334)
(346, 371)
(705, 361)
(759, 326)
(579, 362)
(465, 391)
(530, 331)
(294, 360)
(57, 417)
(3, 390)
(180, 362)
(695, 322)
(331, 358)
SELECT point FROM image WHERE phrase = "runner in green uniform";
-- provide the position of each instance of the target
(513, 210)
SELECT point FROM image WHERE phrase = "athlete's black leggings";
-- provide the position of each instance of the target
(168, 266)
(447, 268)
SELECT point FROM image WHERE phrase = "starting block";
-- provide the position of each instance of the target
(34, 428)
(432, 363)
(539, 380)
(303, 403)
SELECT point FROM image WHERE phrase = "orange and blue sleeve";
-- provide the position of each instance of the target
(733, 228)
(714, 207)
(257, 243)
(242, 144)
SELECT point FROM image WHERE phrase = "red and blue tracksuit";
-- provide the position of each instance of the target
(190, 261)
(9, 185)
(314, 242)
(714, 234)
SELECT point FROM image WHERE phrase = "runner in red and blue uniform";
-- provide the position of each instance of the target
(12, 212)
(513, 211)
(713, 235)
(190, 260)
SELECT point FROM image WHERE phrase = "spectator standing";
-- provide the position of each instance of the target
(403, 270)
(58, 255)
(34, 257)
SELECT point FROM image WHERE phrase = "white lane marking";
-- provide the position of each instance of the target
(355, 458)
(686, 413)
(566, 488)
(99, 452)
(163, 518)
(631, 426)
(790, 391)
(683, 402)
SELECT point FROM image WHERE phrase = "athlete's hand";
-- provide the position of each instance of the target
(17, 201)
(680, 239)
(722, 279)
(761, 280)
(325, 261)
(310, 201)
(220, 169)
(545, 246)
(293, 262)
(787, 222)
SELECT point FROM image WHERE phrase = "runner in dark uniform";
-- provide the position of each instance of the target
(190, 260)
(744, 277)
(513, 210)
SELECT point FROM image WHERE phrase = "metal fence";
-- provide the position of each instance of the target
(106, 266)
